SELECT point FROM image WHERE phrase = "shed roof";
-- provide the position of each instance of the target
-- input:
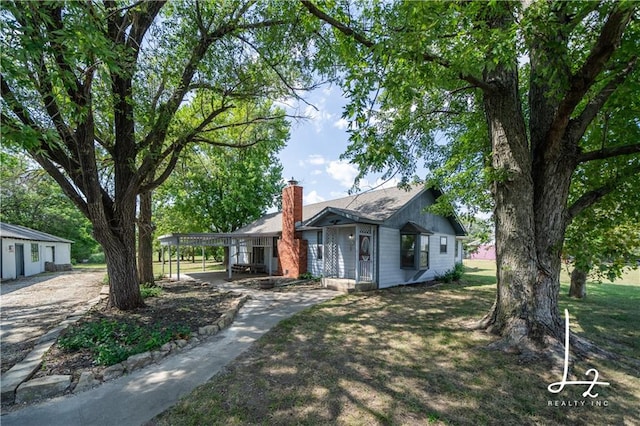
(23, 233)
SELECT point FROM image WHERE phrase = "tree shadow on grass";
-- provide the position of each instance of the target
(391, 358)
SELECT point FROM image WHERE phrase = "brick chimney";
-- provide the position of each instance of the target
(292, 250)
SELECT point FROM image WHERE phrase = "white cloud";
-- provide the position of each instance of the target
(316, 159)
(341, 124)
(343, 172)
(316, 172)
(318, 115)
(313, 197)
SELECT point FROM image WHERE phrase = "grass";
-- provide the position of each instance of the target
(186, 266)
(408, 356)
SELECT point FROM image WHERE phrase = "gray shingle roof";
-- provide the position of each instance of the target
(22, 233)
(376, 206)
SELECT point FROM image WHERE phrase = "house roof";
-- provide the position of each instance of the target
(23, 233)
(373, 207)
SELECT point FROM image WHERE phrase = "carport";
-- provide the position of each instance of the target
(247, 252)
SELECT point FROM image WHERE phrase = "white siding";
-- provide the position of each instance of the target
(63, 253)
(31, 267)
(390, 273)
(389, 270)
(8, 259)
(440, 263)
(314, 265)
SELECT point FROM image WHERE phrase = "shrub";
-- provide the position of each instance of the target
(306, 276)
(453, 274)
(96, 258)
(150, 290)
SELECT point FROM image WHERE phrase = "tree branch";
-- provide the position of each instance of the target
(350, 32)
(605, 153)
(579, 125)
(591, 197)
(585, 77)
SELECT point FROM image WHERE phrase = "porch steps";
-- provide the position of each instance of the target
(347, 285)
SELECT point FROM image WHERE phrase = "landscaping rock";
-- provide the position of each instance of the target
(113, 372)
(137, 361)
(158, 355)
(44, 387)
(208, 330)
(181, 343)
(87, 381)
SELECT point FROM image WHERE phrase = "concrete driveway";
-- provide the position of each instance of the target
(31, 306)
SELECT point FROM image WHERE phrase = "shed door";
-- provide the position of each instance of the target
(19, 260)
(50, 254)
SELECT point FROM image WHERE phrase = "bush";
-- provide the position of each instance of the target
(96, 258)
(150, 290)
(452, 275)
(308, 276)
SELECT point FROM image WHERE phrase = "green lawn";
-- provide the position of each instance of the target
(408, 356)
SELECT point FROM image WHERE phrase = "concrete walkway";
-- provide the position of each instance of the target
(136, 398)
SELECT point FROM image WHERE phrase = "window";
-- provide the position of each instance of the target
(408, 251)
(258, 256)
(35, 252)
(275, 247)
(319, 244)
(424, 252)
(443, 244)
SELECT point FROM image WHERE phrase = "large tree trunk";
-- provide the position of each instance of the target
(145, 240)
(118, 240)
(578, 286)
(512, 315)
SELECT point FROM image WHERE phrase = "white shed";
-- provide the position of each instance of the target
(27, 252)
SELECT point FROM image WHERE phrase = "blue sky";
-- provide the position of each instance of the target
(313, 151)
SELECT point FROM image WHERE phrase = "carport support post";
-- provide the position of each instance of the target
(229, 256)
(178, 256)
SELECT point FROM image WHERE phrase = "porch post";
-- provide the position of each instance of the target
(229, 242)
(356, 242)
(178, 257)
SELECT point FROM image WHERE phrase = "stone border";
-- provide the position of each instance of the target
(17, 388)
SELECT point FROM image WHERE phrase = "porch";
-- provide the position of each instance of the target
(244, 253)
(349, 258)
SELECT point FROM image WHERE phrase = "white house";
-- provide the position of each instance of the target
(27, 252)
(375, 239)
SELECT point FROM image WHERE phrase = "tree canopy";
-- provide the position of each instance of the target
(92, 91)
(31, 198)
(496, 98)
(220, 189)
